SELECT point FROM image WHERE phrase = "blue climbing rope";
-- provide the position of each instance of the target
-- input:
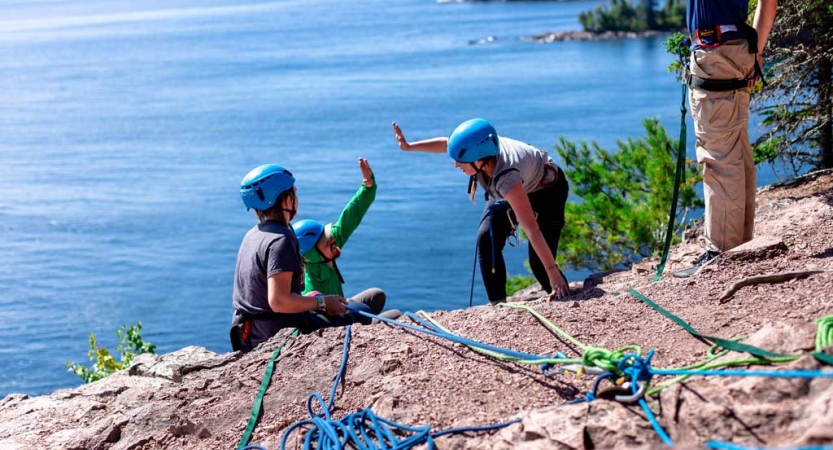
(363, 429)
(717, 445)
(746, 373)
(638, 369)
(454, 338)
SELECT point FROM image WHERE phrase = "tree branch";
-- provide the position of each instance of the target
(758, 279)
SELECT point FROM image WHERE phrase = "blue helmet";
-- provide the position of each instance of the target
(308, 232)
(262, 186)
(472, 141)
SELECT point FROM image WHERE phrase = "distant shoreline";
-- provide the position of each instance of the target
(566, 36)
(562, 36)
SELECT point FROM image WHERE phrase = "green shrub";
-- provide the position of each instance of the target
(130, 345)
(625, 196)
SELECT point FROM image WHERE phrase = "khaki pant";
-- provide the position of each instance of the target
(721, 125)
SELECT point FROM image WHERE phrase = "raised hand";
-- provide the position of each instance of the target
(400, 138)
(367, 172)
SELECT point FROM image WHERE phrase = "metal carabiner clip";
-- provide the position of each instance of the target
(634, 397)
(514, 232)
(513, 239)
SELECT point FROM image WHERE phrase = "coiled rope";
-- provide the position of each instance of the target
(364, 429)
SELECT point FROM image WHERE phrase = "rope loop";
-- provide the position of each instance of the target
(600, 357)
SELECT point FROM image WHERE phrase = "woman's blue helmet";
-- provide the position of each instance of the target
(472, 141)
(308, 232)
(262, 186)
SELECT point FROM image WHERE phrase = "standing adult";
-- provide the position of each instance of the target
(726, 59)
(515, 175)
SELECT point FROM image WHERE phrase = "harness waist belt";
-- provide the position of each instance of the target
(716, 85)
(711, 37)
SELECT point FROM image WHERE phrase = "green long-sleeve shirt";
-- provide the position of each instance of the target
(319, 276)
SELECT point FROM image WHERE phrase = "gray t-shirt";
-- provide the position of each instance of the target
(516, 163)
(267, 249)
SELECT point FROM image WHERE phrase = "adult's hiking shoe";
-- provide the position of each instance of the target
(701, 261)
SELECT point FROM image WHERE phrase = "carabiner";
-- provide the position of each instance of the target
(513, 234)
(635, 396)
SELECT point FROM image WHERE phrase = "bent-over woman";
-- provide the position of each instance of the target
(516, 175)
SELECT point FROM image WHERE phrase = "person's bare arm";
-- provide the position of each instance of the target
(519, 201)
(283, 300)
(764, 18)
(433, 145)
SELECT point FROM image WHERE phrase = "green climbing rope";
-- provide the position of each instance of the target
(824, 339)
(679, 178)
(608, 360)
(713, 354)
(254, 417)
(725, 343)
(591, 356)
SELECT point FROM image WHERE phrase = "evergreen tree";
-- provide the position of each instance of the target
(797, 104)
(624, 15)
(625, 195)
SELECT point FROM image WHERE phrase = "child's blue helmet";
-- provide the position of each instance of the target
(308, 232)
(472, 141)
(262, 186)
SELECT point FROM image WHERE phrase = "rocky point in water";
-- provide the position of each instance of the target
(197, 399)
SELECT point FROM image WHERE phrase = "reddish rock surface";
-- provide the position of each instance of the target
(199, 400)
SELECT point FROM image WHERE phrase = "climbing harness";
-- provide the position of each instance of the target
(498, 208)
(712, 37)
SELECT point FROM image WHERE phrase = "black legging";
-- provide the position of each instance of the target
(548, 204)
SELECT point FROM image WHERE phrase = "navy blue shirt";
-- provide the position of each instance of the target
(708, 13)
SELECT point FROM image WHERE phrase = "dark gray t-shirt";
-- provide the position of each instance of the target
(517, 163)
(267, 249)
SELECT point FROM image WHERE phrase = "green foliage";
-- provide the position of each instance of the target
(130, 345)
(625, 198)
(797, 103)
(768, 150)
(625, 15)
(675, 45)
(517, 283)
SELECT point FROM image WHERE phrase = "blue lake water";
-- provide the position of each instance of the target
(125, 130)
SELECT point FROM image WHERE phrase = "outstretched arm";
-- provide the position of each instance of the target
(519, 201)
(433, 145)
